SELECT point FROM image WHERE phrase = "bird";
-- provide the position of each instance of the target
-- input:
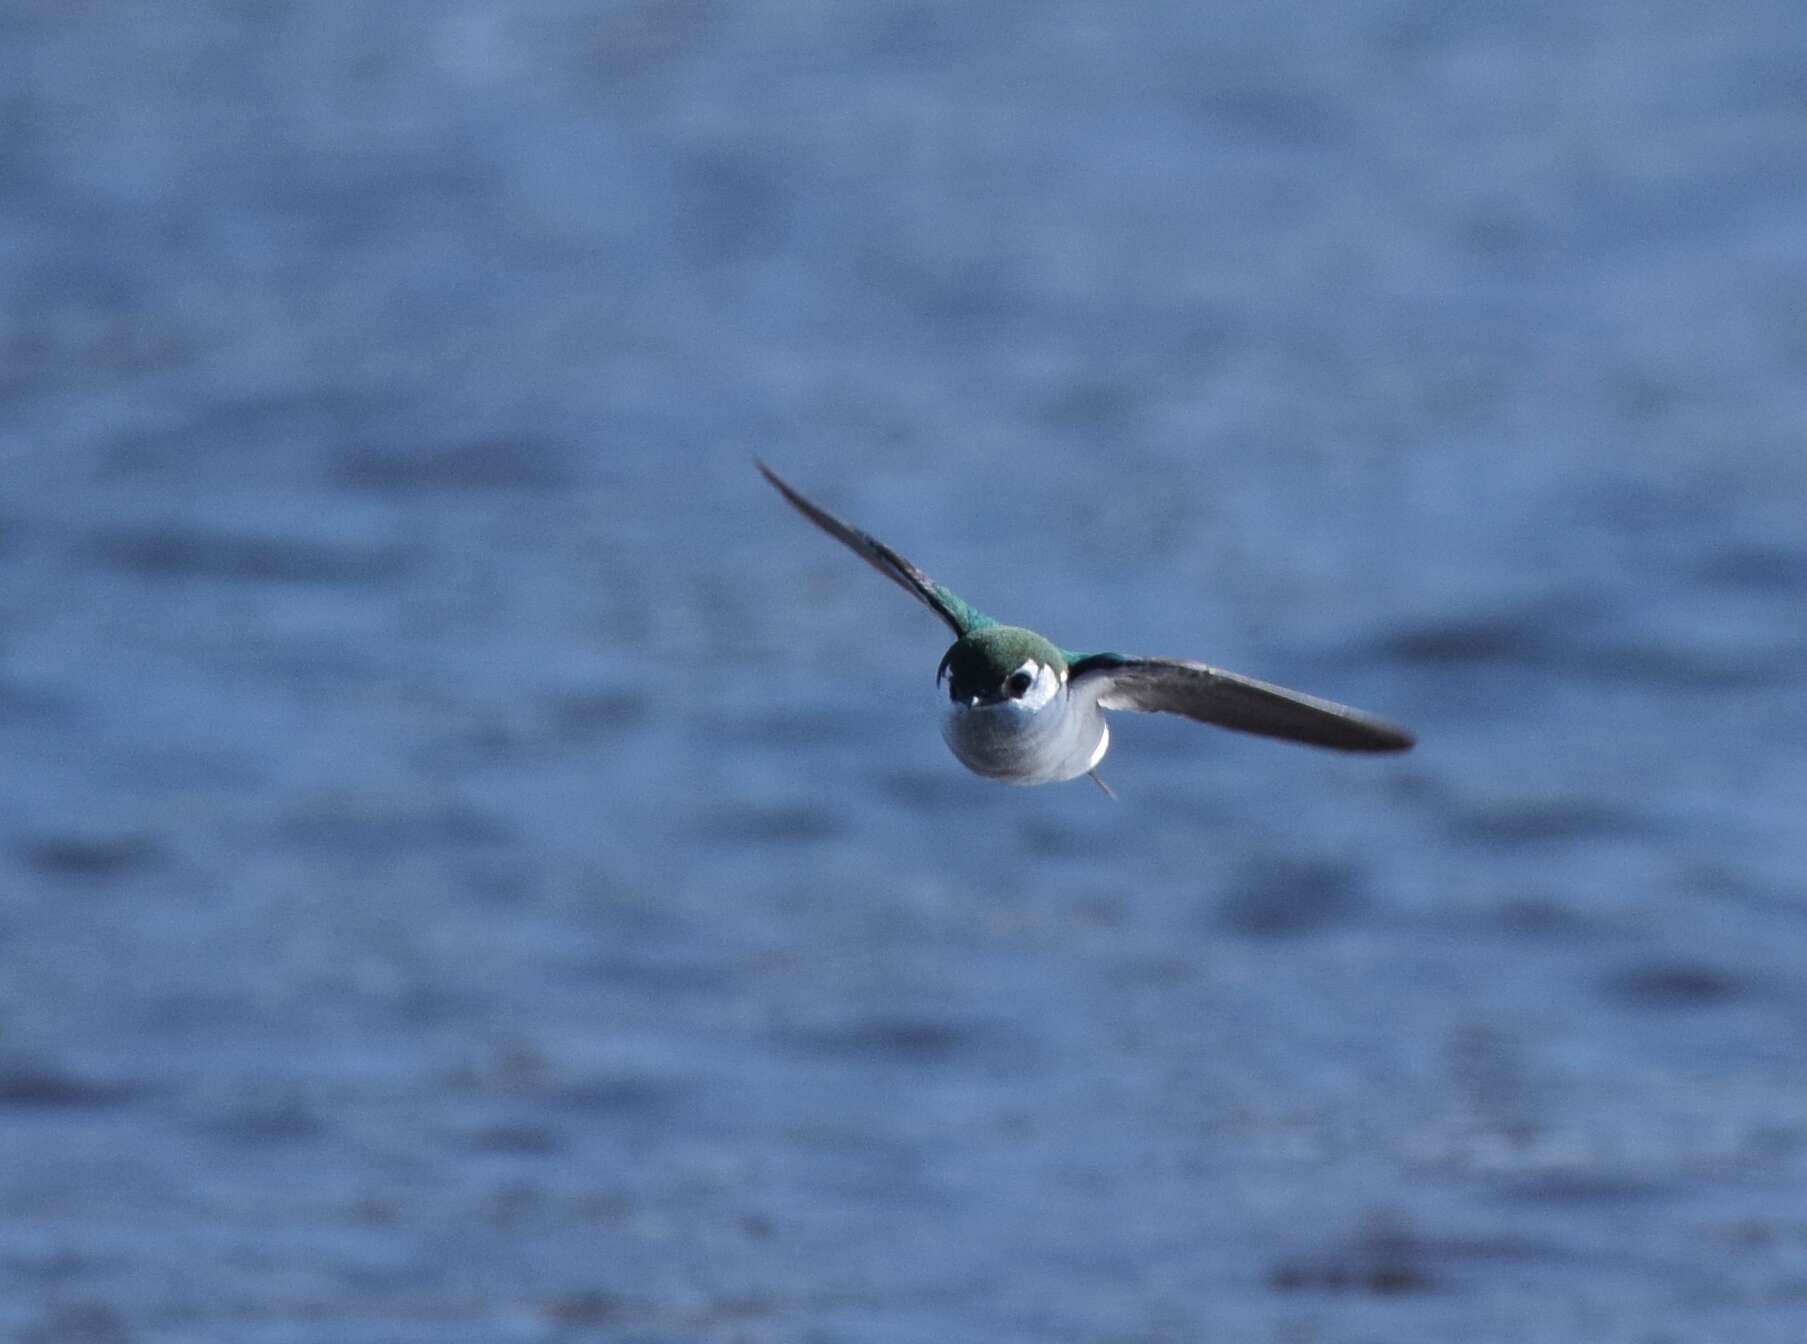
(1023, 710)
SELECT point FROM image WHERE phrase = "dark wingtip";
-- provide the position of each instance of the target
(783, 487)
(1386, 738)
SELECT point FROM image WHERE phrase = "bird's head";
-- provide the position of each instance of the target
(1002, 666)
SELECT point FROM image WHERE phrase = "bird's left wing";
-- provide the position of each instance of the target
(1211, 695)
(961, 617)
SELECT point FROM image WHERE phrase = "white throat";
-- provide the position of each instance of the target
(1042, 689)
(1038, 737)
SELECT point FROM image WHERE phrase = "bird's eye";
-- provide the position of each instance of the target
(1018, 685)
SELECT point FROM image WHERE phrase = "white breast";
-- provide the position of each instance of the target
(1043, 737)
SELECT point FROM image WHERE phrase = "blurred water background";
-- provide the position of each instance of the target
(475, 866)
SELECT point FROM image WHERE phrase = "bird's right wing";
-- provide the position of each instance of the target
(961, 618)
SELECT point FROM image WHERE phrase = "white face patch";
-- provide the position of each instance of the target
(1044, 682)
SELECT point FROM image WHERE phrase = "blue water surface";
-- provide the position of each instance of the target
(475, 866)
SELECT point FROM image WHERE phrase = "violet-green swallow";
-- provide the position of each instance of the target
(1023, 710)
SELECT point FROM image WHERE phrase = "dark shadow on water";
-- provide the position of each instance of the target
(22, 704)
(89, 857)
(1047, 837)
(277, 1121)
(589, 1309)
(1669, 668)
(912, 1041)
(1280, 897)
(1568, 639)
(1522, 821)
(28, 1086)
(523, 1139)
(1676, 985)
(1519, 636)
(1584, 1188)
(94, 1322)
(1385, 1256)
(924, 792)
(590, 716)
(1754, 568)
(180, 553)
(776, 825)
(623, 1096)
(667, 976)
(355, 828)
(1546, 919)
(784, 728)
(518, 1085)
(483, 466)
